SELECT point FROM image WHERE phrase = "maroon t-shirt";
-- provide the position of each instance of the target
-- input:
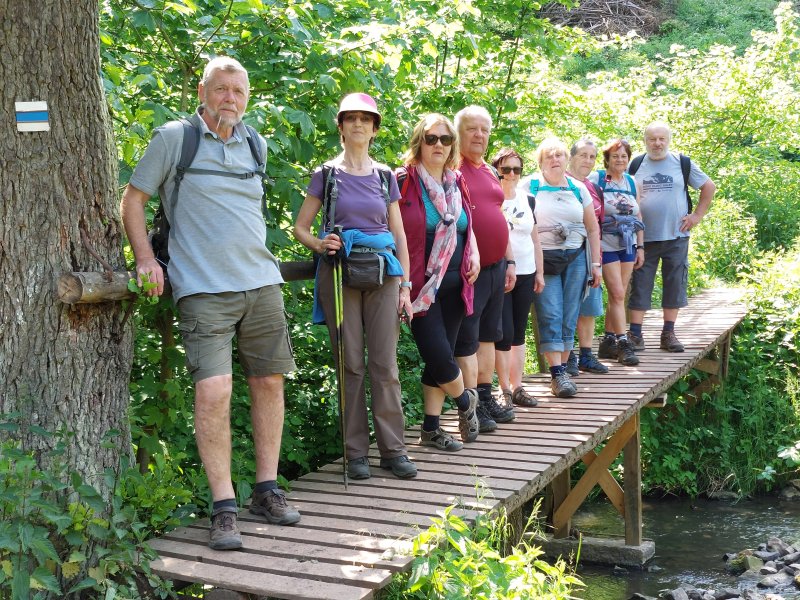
(488, 221)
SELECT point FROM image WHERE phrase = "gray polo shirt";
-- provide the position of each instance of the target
(217, 239)
(661, 197)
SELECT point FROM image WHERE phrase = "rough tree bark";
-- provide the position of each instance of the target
(59, 365)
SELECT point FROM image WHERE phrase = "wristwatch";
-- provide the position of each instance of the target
(405, 284)
(596, 265)
(511, 262)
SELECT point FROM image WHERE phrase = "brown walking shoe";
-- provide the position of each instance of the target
(670, 343)
(272, 504)
(636, 340)
(224, 534)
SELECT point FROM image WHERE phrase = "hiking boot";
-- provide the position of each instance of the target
(468, 424)
(636, 340)
(224, 534)
(627, 356)
(401, 466)
(440, 439)
(608, 347)
(485, 421)
(572, 365)
(498, 413)
(590, 364)
(358, 468)
(562, 386)
(670, 343)
(272, 504)
(522, 398)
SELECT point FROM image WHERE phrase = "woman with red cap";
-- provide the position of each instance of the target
(358, 197)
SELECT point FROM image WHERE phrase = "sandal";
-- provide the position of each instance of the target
(468, 419)
(522, 398)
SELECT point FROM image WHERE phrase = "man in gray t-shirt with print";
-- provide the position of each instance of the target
(225, 283)
(665, 213)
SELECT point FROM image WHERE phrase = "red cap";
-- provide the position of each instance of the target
(359, 102)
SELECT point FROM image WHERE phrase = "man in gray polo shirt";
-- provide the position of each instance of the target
(667, 220)
(225, 282)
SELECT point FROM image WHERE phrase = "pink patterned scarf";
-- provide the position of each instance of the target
(446, 197)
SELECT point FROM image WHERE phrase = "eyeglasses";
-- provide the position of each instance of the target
(509, 170)
(446, 139)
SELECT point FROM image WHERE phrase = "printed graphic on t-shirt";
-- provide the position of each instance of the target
(657, 183)
(621, 202)
(514, 215)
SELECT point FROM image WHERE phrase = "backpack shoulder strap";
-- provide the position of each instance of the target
(385, 175)
(403, 180)
(255, 148)
(189, 145)
(686, 167)
(533, 189)
(635, 164)
(601, 179)
(329, 195)
(574, 189)
(496, 173)
(631, 182)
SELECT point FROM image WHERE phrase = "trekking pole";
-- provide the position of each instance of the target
(339, 308)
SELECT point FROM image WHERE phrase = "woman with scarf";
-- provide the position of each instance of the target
(360, 196)
(444, 263)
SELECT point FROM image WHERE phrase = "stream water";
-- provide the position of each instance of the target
(691, 536)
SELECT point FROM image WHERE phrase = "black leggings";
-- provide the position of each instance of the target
(516, 310)
(435, 333)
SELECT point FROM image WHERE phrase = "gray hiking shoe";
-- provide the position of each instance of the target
(562, 387)
(572, 365)
(627, 356)
(224, 533)
(522, 398)
(358, 468)
(590, 364)
(636, 340)
(272, 504)
(401, 466)
(670, 343)
(468, 424)
(440, 439)
(608, 347)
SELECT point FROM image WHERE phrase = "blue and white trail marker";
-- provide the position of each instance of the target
(32, 116)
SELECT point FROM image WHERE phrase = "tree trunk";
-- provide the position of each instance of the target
(59, 365)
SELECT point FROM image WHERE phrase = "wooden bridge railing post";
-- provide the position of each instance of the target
(632, 485)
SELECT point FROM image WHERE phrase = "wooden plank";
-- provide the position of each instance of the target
(578, 494)
(631, 463)
(262, 584)
(355, 575)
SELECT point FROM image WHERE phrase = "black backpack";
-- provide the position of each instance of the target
(159, 234)
(686, 166)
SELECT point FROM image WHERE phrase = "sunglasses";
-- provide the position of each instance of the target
(447, 140)
(509, 170)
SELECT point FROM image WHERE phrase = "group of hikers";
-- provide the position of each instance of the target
(457, 247)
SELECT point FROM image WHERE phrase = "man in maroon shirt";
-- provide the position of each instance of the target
(475, 345)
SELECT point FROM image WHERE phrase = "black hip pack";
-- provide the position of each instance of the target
(364, 269)
(557, 261)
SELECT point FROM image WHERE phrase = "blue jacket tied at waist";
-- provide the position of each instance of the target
(624, 226)
(383, 243)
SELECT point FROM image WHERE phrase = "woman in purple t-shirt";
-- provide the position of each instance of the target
(365, 206)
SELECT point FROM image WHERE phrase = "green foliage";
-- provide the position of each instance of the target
(59, 538)
(456, 560)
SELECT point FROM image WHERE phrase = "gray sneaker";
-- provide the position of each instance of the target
(572, 365)
(636, 340)
(401, 466)
(358, 468)
(440, 439)
(224, 534)
(562, 387)
(608, 347)
(468, 424)
(272, 504)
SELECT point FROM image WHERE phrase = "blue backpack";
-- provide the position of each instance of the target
(601, 182)
(536, 186)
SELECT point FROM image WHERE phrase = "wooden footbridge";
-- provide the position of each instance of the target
(350, 543)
